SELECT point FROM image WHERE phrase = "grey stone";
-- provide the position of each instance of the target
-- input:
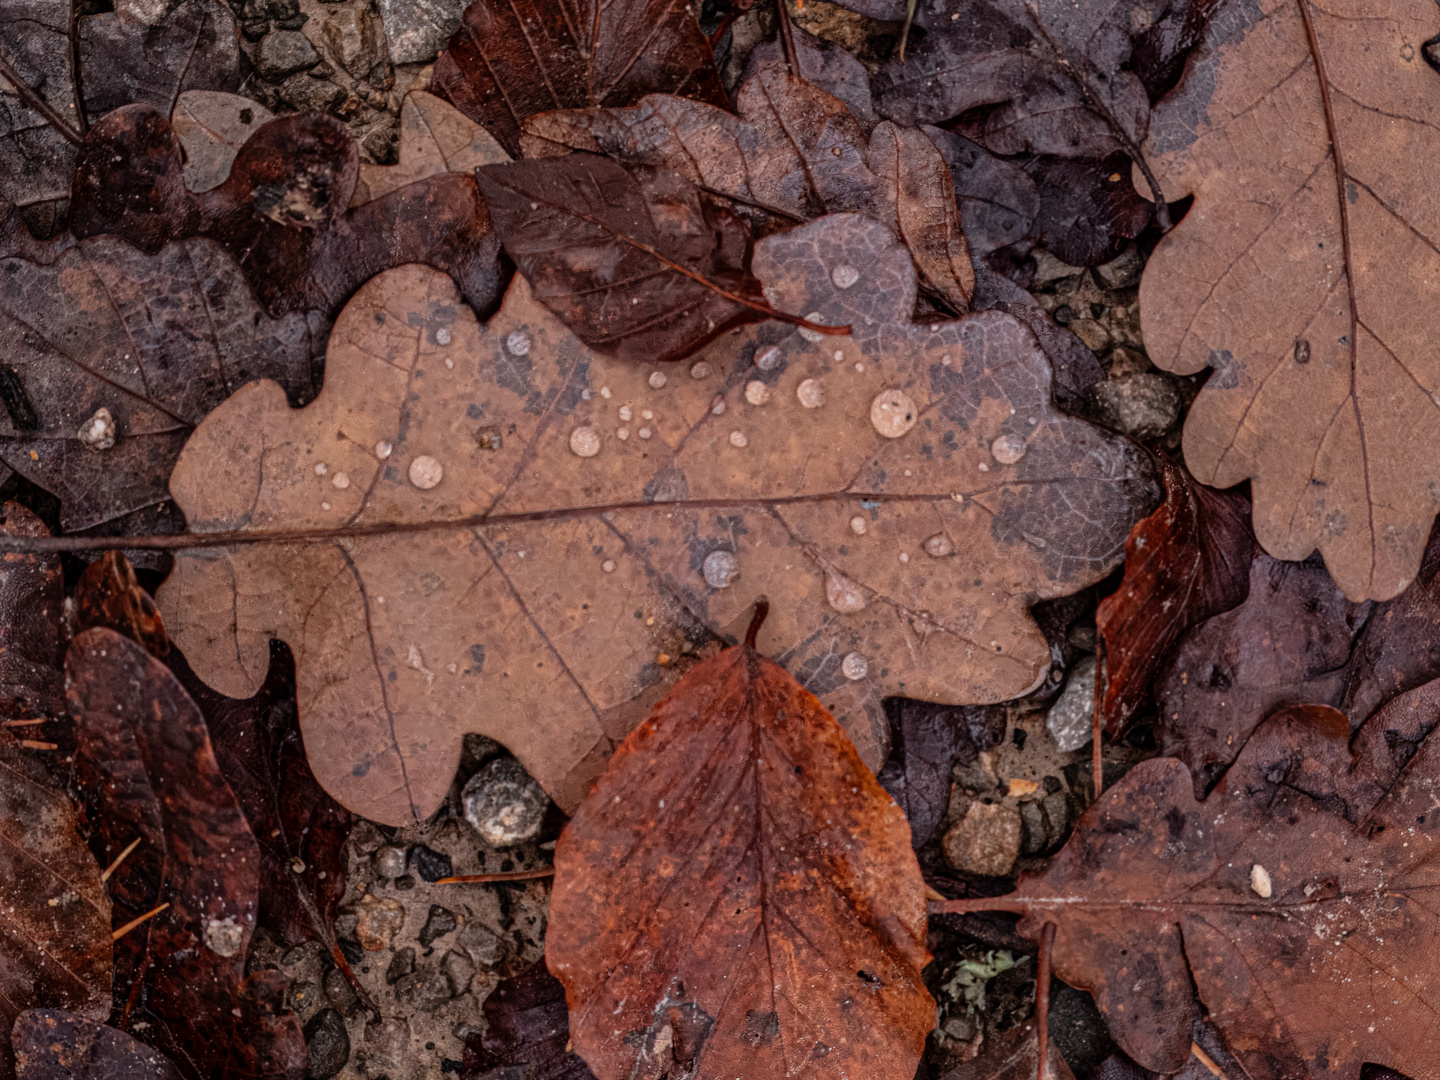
(1144, 406)
(485, 947)
(270, 9)
(459, 969)
(306, 997)
(425, 991)
(430, 864)
(294, 22)
(379, 921)
(341, 994)
(380, 144)
(282, 53)
(328, 1043)
(416, 30)
(1123, 271)
(1057, 816)
(350, 36)
(1072, 717)
(401, 964)
(254, 31)
(986, 841)
(312, 95)
(1049, 269)
(504, 803)
(391, 862)
(1033, 838)
(439, 923)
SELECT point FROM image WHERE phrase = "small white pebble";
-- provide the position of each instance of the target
(657, 380)
(626, 414)
(756, 392)
(857, 525)
(811, 393)
(1260, 881)
(449, 363)
(854, 667)
(585, 442)
(700, 370)
(425, 472)
(738, 440)
(341, 481)
(442, 336)
(518, 342)
(383, 449)
(608, 566)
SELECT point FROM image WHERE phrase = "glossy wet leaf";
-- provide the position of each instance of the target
(738, 895)
(53, 1044)
(527, 1026)
(547, 598)
(1322, 395)
(32, 646)
(512, 60)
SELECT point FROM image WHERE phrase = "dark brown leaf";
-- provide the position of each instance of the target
(926, 742)
(633, 260)
(825, 65)
(998, 200)
(738, 896)
(108, 594)
(144, 757)
(32, 647)
(1089, 208)
(54, 914)
(527, 1028)
(511, 60)
(52, 1044)
(35, 159)
(1184, 563)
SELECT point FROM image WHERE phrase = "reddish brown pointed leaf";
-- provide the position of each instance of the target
(528, 1027)
(54, 914)
(32, 592)
(510, 60)
(1296, 899)
(144, 757)
(738, 896)
(1184, 563)
(52, 1044)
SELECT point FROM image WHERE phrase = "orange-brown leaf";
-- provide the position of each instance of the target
(738, 896)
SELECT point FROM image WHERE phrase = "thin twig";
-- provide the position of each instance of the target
(118, 934)
(36, 744)
(788, 38)
(1095, 762)
(480, 879)
(910, 7)
(1042, 996)
(1206, 1060)
(27, 723)
(38, 103)
(105, 874)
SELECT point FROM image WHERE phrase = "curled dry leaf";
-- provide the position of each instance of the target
(1306, 136)
(511, 60)
(156, 340)
(1184, 563)
(144, 755)
(32, 648)
(435, 138)
(526, 1025)
(1294, 896)
(53, 1044)
(281, 212)
(54, 914)
(738, 895)
(513, 535)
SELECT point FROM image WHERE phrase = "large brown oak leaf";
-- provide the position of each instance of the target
(1307, 276)
(443, 556)
(738, 895)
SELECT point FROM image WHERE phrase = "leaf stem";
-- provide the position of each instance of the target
(1042, 997)
(762, 609)
(787, 36)
(38, 104)
(514, 875)
(133, 923)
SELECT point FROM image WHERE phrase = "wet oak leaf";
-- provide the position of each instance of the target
(528, 1026)
(35, 159)
(512, 60)
(54, 913)
(212, 126)
(435, 138)
(144, 756)
(156, 339)
(738, 895)
(1306, 136)
(32, 645)
(1294, 896)
(525, 534)
(1186, 562)
(53, 1044)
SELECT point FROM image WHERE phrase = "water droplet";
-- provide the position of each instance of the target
(700, 370)
(442, 336)
(939, 546)
(844, 276)
(608, 566)
(904, 557)
(1008, 449)
(341, 481)
(449, 363)
(854, 667)
(518, 342)
(623, 434)
(770, 359)
(383, 449)
(645, 433)
(657, 380)
(324, 506)
(844, 595)
(647, 415)
(812, 335)
(859, 368)
(811, 393)
(756, 392)
(585, 442)
(738, 440)
(321, 468)
(605, 392)
(857, 525)
(626, 414)
(893, 413)
(721, 568)
(425, 472)
(718, 409)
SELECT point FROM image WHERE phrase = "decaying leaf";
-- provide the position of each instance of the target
(212, 126)
(998, 201)
(435, 138)
(35, 158)
(1295, 897)
(32, 648)
(738, 895)
(500, 531)
(511, 60)
(54, 914)
(109, 594)
(281, 212)
(52, 1044)
(156, 341)
(634, 260)
(527, 1026)
(824, 64)
(144, 756)
(1304, 278)
(1015, 1055)
(1184, 563)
